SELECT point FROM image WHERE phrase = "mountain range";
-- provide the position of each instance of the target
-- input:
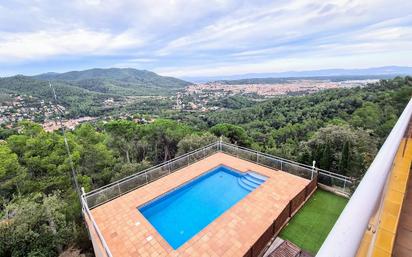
(84, 91)
(375, 72)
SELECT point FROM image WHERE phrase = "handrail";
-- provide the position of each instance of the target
(218, 145)
(96, 228)
(348, 231)
(148, 169)
(302, 165)
(236, 147)
(336, 175)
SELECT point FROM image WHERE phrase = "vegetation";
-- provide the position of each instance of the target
(311, 224)
(37, 226)
(233, 102)
(40, 211)
(83, 92)
(321, 125)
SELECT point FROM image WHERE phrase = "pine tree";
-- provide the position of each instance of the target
(326, 158)
(345, 159)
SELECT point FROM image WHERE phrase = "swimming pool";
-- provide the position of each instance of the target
(183, 212)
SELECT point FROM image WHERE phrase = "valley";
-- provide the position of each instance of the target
(105, 94)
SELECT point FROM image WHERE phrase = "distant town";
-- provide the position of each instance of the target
(15, 108)
(198, 98)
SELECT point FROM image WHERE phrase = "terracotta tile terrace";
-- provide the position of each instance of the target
(127, 232)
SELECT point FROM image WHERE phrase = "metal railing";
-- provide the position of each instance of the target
(115, 189)
(94, 230)
(332, 181)
(346, 235)
(118, 188)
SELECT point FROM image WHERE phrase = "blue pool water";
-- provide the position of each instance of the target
(183, 212)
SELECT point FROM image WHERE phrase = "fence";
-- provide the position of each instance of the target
(332, 181)
(99, 244)
(113, 190)
(290, 209)
(104, 194)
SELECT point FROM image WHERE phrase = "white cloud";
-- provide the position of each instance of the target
(42, 44)
(289, 64)
(213, 37)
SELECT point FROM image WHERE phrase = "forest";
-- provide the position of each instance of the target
(83, 92)
(342, 129)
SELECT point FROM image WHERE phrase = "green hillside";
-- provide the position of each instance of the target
(77, 99)
(119, 81)
(83, 92)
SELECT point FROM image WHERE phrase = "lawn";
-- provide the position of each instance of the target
(313, 222)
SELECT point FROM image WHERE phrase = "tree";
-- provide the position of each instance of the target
(236, 134)
(368, 116)
(96, 159)
(45, 158)
(123, 136)
(326, 157)
(11, 173)
(6, 132)
(194, 141)
(127, 169)
(341, 149)
(345, 159)
(163, 137)
(35, 226)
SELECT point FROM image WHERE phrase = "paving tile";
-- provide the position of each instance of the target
(231, 234)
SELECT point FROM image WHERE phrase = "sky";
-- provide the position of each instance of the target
(186, 38)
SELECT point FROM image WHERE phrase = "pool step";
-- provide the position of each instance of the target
(254, 179)
(251, 180)
(257, 176)
(244, 185)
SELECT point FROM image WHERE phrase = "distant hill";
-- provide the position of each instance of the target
(77, 99)
(84, 91)
(376, 72)
(119, 81)
(112, 81)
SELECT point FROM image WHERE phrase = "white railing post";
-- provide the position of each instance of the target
(169, 168)
(82, 196)
(313, 169)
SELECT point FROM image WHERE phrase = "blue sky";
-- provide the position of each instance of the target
(203, 37)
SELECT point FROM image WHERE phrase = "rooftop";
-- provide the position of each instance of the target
(128, 233)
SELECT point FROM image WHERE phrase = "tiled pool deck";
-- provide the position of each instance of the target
(128, 233)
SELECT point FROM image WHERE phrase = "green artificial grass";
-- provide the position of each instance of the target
(313, 222)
